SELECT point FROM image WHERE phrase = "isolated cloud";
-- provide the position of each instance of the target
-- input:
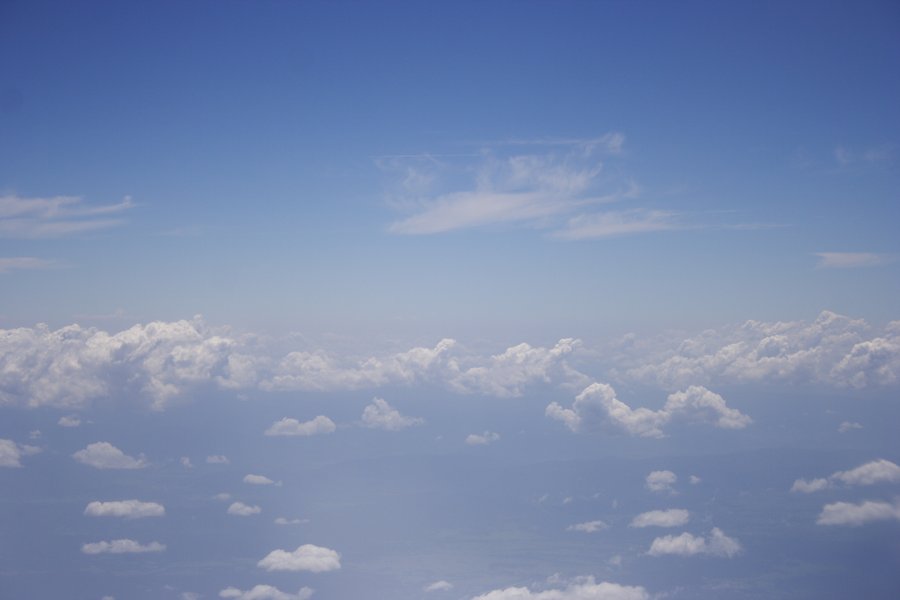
(583, 588)
(217, 459)
(852, 260)
(870, 473)
(11, 453)
(846, 426)
(845, 513)
(126, 509)
(265, 592)
(257, 479)
(716, 544)
(673, 517)
(243, 510)
(123, 546)
(598, 404)
(381, 415)
(293, 427)
(482, 439)
(660, 481)
(286, 521)
(588, 527)
(69, 421)
(833, 350)
(103, 455)
(56, 216)
(307, 557)
(438, 586)
(617, 223)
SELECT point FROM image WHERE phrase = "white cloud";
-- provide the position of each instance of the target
(694, 480)
(673, 517)
(588, 527)
(286, 521)
(852, 260)
(438, 586)
(265, 592)
(103, 455)
(123, 546)
(870, 473)
(716, 544)
(69, 421)
(127, 509)
(293, 427)
(381, 415)
(617, 223)
(222, 497)
(833, 350)
(56, 216)
(583, 588)
(598, 403)
(307, 557)
(257, 479)
(243, 510)
(846, 426)
(845, 513)
(22, 263)
(217, 459)
(11, 453)
(660, 481)
(186, 462)
(482, 439)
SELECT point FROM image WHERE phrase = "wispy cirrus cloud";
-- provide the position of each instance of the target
(57, 216)
(23, 263)
(852, 260)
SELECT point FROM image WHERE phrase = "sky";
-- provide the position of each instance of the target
(470, 300)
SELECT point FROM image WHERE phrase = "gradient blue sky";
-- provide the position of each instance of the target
(482, 213)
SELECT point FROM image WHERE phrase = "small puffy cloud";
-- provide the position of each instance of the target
(852, 260)
(265, 592)
(582, 588)
(381, 415)
(598, 403)
(103, 455)
(126, 509)
(846, 513)
(217, 459)
(438, 586)
(292, 427)
(257, 479)
(870, 473)
(243, 510)
(11, 453)
(307, 557)
(186, 462)
(69, 421)
(588, 527)
(660, 481)
(123, 546)
(673, 517)
(286, 521)
(716, 544)
(482, 439)
(846, 426)
(34, 434)
(694, 480)
(222, 497)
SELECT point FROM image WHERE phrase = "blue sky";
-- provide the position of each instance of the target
(585, 241)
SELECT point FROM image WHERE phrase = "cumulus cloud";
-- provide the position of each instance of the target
(660, 481)
(870, 473)
(438, 586)
(103, 455)
(56, 216)
(716, 544)
(217, 459)
(123, 546)
(846, 426)
(381, 415)
(833, 350)
(69, 421)
(265, 592)
(293, 427)
(673, 517)
(286, 521)
(598, 404)
(11, 453)
(126, 509)
(257, 479)
(846, 513)
(582, 588)
(482, 439)
(243, 510)
(588, 527)
(307, 557)
(222, 497)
